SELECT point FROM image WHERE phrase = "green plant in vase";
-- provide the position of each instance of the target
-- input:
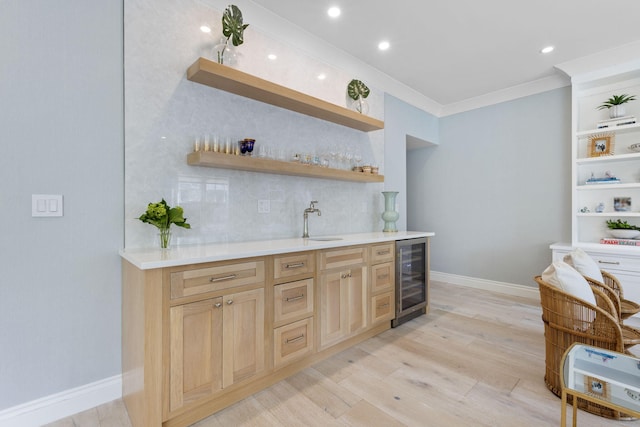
(233, 29)
(162, 216)
(615, 105)
(620, 225)
(358, 91)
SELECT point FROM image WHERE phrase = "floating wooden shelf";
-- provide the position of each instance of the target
(222, 77)
(257, 164)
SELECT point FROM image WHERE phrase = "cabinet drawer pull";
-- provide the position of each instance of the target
(384, 252)
(217, 305)
(296, 339)
(296, 265)
(383, 305)
(220, 279)
(294, 298)
(609, 262)
(382, 276)
(230, 302)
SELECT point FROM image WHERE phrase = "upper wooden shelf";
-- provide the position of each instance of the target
(222, 77)
(257, 164)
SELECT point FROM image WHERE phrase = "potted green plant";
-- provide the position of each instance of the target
(162, 216)
(622, 229)
(358, 91)
(615, 105)
(232, 29)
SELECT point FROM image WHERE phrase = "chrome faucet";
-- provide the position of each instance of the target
(311, 209)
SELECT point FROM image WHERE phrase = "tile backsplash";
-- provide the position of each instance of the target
(164, 113)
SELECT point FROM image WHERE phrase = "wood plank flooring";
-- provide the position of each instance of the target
(477, 359)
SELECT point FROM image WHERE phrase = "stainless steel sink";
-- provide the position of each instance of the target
(325, 239)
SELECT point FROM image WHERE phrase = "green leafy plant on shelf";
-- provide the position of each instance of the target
(616, 105)
(616, 100)
(621, 225)
(162, 216)
(358, 91)
(232, 28)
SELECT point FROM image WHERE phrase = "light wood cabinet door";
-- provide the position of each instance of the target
(243, 335)
(382, 308)
(357, 304)
(292, 301)
(214, 343)
(195, 351)
(343, 304)
(382, 278)
(293, 341)
(333, 308)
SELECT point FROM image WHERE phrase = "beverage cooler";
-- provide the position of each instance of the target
(412, 278)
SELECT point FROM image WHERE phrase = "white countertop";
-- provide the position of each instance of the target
(146, 258)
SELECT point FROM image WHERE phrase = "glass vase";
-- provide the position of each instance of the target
(361, 106)
(165, 238)
(390, 216)
(225, 53)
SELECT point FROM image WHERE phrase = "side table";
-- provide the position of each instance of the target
(604, 377)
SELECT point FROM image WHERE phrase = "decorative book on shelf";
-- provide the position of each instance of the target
(606, 180)
(619, 121)
(621, 242)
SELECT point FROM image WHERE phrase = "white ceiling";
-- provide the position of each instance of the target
(454, 50)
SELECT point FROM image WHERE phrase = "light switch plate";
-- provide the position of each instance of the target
(264, 206)
(46, 205)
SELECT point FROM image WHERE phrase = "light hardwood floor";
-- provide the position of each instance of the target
(477, 359)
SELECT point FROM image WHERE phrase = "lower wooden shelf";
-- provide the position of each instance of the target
(257, 164)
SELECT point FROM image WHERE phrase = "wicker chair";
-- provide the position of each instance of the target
(567, 320)
(627, 307)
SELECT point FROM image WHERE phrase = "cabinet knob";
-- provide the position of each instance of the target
(229, 302)
(217, 305)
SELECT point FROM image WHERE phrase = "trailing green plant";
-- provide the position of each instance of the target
(357, 90)
(232, 28)
(616, 100)
(621, 225)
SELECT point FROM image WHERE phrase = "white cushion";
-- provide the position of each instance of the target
(565, 277)
(581, 261)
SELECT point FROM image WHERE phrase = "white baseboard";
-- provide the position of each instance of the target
(487, 285)
(60, 405)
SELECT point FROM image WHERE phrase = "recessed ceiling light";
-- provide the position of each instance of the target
(547, 49)
(205, 29)
(383, 45)
(272, 57)
(333, 12)
(322, 76)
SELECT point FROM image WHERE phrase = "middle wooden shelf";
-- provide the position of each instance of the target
(258, 164)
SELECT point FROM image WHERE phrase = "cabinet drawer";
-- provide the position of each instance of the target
(293, 300)
(382, 278)
(382, 307)
(609, 262)
(338, 258)
(293, 265)
(381, 253)
(219, 277)
(293, 341)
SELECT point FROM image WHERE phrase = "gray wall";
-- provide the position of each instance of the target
(402, 119)
(496, 191)
(62, 133)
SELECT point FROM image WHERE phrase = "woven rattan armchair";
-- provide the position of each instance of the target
(567, 320)
(627, 307)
